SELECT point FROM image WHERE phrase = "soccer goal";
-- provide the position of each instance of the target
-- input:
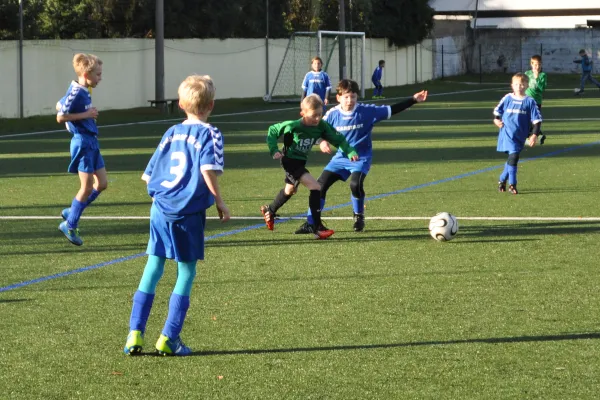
(303, 46)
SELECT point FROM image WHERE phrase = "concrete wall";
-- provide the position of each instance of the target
(509, 51)
(236, 65)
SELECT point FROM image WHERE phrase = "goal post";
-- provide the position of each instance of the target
(302, 47)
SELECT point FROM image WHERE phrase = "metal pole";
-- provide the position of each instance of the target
(442, 61)
(159, 50)
(21, 111)
(267, 53)
(342, 41)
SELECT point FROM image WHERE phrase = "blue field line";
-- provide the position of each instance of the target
(258, 226)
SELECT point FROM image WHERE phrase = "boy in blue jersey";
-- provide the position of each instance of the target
(376, 79)
(316, 81)
(514, 115)
(355, 121)
(299, 136)
(586, 71)
(76, 111)
(182, 181)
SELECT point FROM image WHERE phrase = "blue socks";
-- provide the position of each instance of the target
(77, 208)
(512, 174)
(93, 196)
(358, 204)
(178, 306)
(142, 304)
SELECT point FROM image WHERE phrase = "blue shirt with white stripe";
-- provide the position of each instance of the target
(517, 114)
(316, 82)
(78, 100)
(174, 174)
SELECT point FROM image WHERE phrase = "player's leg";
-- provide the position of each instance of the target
(357, 180)
(314, 203)
(594, 81)
(187, 239)
(326, 180)
(293, 170)
(511, 168)
(69, 227)
(503, 178)
(381, 91)
(584, 77)
(143, 299)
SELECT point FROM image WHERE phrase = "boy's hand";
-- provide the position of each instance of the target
(532, 140)
(324, 146)
(92, 113)
(223, 211)
(498, 123)
(354, 158)
(277, 155)
(421, 96)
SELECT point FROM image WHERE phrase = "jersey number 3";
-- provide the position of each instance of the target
(177, 170)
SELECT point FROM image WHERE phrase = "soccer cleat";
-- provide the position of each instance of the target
(542, 138)
(502, 186)
(134, 344)
(304, 229)
(323, 234)
(175, 347)
(65, 213)
(269, 217)
(71, 234)
(513, 189)
(359, 222)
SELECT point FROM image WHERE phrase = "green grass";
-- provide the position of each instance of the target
(509, 309)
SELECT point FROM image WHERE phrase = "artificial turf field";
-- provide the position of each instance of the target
(509, 309)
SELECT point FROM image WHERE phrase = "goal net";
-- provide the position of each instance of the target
(303, 46)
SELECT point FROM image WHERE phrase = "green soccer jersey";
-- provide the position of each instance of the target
(536, 86)
(304, 137)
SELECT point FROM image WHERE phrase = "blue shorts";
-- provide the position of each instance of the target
(85, 154)
(344, 167)
(182, 241)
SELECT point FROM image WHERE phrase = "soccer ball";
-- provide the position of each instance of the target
(443, 227)
(576, 90)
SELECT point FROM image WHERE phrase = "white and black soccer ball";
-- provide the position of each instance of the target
(443, 227)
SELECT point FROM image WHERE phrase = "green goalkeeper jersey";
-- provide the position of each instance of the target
(304, 137)
(536, 86)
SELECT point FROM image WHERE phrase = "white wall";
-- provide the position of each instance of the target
(236, 65)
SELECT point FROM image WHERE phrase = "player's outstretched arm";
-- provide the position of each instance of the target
(403, 105)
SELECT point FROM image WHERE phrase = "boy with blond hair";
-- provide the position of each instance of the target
(182, 182)
(356, 122)
(514, 115)
(299, 136)
(76, 111)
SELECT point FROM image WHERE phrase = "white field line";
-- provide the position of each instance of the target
(228, 115)
(258, 218)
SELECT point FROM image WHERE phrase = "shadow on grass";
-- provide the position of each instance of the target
(514, 339)
(13, 300)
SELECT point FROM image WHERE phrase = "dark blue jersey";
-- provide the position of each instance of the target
(316, 82)
(174, 174)
(357, 125)
(377, 74)
(78, 100)
(517, 114)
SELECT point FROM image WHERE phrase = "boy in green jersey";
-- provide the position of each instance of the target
(537, 85)
(299, 136)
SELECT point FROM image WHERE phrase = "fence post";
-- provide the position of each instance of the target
(442, 61)
(480, 66)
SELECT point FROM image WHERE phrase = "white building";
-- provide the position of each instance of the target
(519, 14)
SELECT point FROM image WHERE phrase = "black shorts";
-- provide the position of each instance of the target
(294, 169)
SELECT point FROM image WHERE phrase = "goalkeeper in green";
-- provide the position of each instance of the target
(299, 136)
(537, 85)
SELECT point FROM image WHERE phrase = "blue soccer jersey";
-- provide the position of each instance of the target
(517, 114)
(316, 82)
(357, 125)
(377, 74)
(174, 174)
(78, 100)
